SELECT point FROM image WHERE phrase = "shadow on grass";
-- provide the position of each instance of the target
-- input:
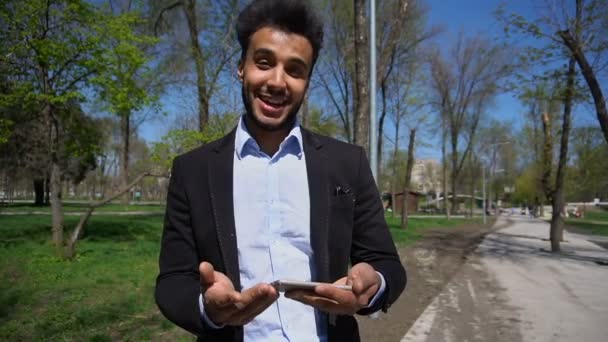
(127, 228)
(15, 230)
(23, 205)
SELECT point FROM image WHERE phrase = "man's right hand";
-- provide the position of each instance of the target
(225, 306)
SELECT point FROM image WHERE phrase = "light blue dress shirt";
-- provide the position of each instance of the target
(272, 221)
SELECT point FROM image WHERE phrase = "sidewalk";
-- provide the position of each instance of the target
(514, 289)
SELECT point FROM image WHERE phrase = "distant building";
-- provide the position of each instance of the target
(413, 199)
(426, 176)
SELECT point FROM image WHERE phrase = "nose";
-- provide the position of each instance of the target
(277, 79)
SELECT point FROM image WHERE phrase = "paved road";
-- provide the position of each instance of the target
(513, 289)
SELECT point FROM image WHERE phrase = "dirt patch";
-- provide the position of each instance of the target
(430, 264)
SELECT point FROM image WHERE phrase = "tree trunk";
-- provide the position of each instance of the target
(381, 127)
(70, 248)
(393, 199)
(361, 76)
(557, 225)
(56, 205)
(47, 190)
(199, 62)
(55, 181)
(472, 189)
(125, 128)
(587, 71)
(408, 177)
(394, 180)
(444, 171)
(453, 174)
(39, 191)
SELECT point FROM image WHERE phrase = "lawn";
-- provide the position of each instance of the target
(81, 207)
(106, 293)
(595, 222)
(417, 226)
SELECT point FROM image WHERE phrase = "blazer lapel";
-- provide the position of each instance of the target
(221, 186)
(318, 185)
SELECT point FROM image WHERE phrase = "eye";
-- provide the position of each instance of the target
(296, 71)
(263, 64)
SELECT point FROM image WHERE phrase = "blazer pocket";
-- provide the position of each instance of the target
(342, 201)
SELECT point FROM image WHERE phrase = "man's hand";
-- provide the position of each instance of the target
(364, 281)
(225, 306)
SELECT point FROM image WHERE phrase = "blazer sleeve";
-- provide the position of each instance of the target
(178, 283)
(372, 241)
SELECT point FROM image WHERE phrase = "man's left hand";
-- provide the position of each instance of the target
(365, 283)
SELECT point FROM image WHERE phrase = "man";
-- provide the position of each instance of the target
(273, 201)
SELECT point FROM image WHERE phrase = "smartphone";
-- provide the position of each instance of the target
(289, 285)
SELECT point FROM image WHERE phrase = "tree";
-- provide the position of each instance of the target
(54, 48)
(547, 29)
(213, 20)
(408, 177)
(124, 85)
(590, 39)
(321, 124)
(361, 122)
(464, 86)
(335, 71)
(401, 31)
(586, 177)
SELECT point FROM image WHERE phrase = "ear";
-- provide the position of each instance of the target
(239, 70)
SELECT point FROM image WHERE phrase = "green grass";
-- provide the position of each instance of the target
(81, 207)
(417, 226)
(597, 215)
(105, 294)
(595, 222)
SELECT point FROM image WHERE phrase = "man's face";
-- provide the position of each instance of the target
(275, 74)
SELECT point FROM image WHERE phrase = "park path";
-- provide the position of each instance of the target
(513, 289)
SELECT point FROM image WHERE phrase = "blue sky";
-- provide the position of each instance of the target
(468, 16)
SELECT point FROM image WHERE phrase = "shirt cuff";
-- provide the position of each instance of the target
(206, 320)
(379, 293)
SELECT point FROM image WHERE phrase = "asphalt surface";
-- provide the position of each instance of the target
(512, 288)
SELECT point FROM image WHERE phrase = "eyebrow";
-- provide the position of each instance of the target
(265, 51)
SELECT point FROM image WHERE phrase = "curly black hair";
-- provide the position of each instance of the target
(293, 16)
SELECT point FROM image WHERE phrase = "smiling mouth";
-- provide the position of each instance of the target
(272, 105)
(273, 101)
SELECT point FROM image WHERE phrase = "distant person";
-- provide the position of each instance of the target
(272, 200)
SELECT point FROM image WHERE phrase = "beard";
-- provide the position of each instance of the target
(287, 122)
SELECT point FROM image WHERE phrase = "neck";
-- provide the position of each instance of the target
(269, 141)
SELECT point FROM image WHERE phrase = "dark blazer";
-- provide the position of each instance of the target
(346, 227)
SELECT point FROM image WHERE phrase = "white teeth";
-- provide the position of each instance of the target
(273, 101)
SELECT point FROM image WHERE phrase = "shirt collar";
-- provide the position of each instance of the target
(245, 144)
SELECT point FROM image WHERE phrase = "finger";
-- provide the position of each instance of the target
(323, 304)
(255, 308)
(363, 276)
(253, 302)
(220, 305)
(221, 297)
(342, 281)
(207, 274)
(336, 294)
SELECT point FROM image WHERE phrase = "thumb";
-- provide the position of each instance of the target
(207, 274)
(354, 280)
